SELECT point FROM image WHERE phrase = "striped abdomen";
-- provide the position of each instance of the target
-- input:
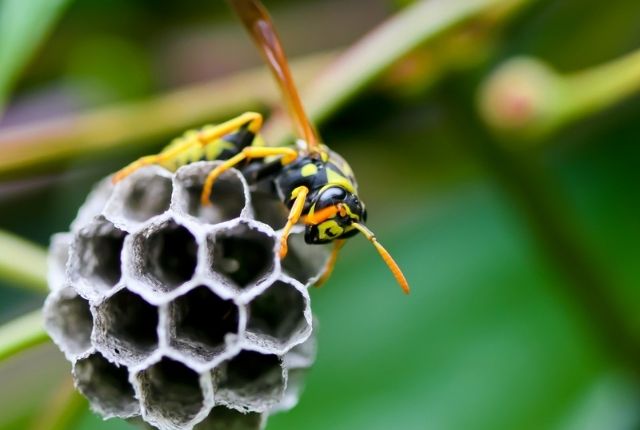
(219, 149)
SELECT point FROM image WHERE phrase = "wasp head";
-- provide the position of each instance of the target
(332, 214)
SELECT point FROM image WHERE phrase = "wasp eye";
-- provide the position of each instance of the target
(331, 196)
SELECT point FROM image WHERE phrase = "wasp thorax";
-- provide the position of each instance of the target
(181, 318)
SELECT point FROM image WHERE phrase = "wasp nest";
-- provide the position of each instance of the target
(182, 315)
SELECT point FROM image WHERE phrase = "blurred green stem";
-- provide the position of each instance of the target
(108, 128)
(21, 334)
(63, 409)
(597, 88)
(378, 50)
(375, 53)
(24, 26)
(62, 138)
(461, 49)
(22, 262)
(526, 98)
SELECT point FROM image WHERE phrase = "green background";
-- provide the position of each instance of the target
(501, 330)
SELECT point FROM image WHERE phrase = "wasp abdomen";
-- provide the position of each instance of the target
(220, 149)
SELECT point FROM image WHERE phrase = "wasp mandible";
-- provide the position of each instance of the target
(316, 184)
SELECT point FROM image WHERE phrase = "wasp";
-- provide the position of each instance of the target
(315, 183)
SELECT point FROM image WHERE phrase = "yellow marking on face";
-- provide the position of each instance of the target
(329, 229)
(335, 178)
(348, 212)
(309, 170)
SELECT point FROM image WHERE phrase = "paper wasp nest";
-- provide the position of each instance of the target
(179, 314)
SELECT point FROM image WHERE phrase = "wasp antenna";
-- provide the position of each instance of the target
(391, 263)
(256, 19)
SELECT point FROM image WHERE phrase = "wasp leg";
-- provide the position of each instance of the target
(331, 262)
(300, 195)
(152, 159)
(288, 155)
(253, 121)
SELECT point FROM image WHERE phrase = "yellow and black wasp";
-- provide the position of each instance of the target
(316, 184)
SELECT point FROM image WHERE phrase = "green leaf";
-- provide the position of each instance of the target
(22, 262)
(21, 334)
(23, 27)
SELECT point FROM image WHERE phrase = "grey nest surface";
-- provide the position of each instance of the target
(181, 316)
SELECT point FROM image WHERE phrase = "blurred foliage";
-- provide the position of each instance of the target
(23, 25)
(505, 246)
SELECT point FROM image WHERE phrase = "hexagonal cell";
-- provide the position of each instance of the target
(295, 386)
(164, 255)
(172, 395)
(229, 196)
(277, 316)
(95, 257)
(223, 418)
(304, 354)
(57, 260)
(242, 254)
(269, 209)
(106, 386)
(126, 327)
(200, 323)
(250, 381)
(142, 195)
(304, 262)
(93, 205)
(69, 322)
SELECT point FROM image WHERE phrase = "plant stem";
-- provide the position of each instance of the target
(528, 99)
(63, 138)
(597, 88)
(22, 262)
(377, 51)
(113, 127)
(365, 61)
(62, 410)
(21, 334)
(23, 28)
